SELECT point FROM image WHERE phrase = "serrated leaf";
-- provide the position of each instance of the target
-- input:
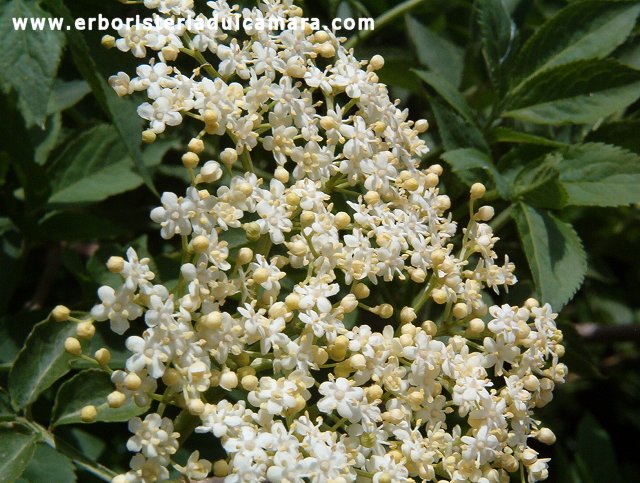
(47, 464)
(435, 52)
(591, 174)
(41, 362)
(121, 112)
(555, 254)
(581, 92)
(456, 132)
(463, 160)
(90, 387)
(597, 174)
(623, 133)
(29, 58)
(448, 92)
(497, 33)
(583, 30)
(16, 449)
(92, 168)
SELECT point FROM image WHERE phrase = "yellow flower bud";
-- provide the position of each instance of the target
(72, 346)
(60, 313)
(88, 414)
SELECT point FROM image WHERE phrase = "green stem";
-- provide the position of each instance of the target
(383, 20)
(502, 219)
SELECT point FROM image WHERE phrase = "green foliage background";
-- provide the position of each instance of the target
(537, 98)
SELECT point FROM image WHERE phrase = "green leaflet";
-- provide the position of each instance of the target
(555, 254)
(90, 387)
(581, 92)
(29, 58)
(16, 449)
(435, 52)
(582, 30)
(31, 375)
(47, 464)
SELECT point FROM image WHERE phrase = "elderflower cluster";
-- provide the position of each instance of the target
(287, 349)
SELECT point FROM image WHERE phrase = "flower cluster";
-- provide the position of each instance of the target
(279, 347)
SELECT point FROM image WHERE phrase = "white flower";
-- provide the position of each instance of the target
(196, 468)
(117, 307)
(154, 437)
(174, 215)
(342, 396)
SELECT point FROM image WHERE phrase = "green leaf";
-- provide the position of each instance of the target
(497, 32)
(456, 132)
(580, 93)
(623, 133)
(583, 30)
(463, 160)
(507, 135)
(94, 167)
(555, 254)
(597, 174)
(6, 410)
(41, 362)
(539, 185)
(29, 58)
(16, 448)
(438, 54)
(121, 112)
(591, 174)
(46, 139)
(596, 452)
(90, 387)
(448, 92)
(47, 464)
(66, 95)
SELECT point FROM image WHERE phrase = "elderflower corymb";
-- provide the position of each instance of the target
(288, 350)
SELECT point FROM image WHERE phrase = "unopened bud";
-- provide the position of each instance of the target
(196, 145)
(342, 220)
(200, 244)
(252, 230)
(190, 160)
(477, 191)
(196, 406)
(229, 380)
(72, 346)
(245, 255)
(148, 136)
(421, 125)
(103, 356)
(85, 330)
(376, 62)
(361, 291)
(132, 381)
(407, 315)
(60, 313)
(221, 468)
(385, 311)
(116, 399)
(546, 436)
(88, 414)
(281, 174)
(249, 382)
(108, 41)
